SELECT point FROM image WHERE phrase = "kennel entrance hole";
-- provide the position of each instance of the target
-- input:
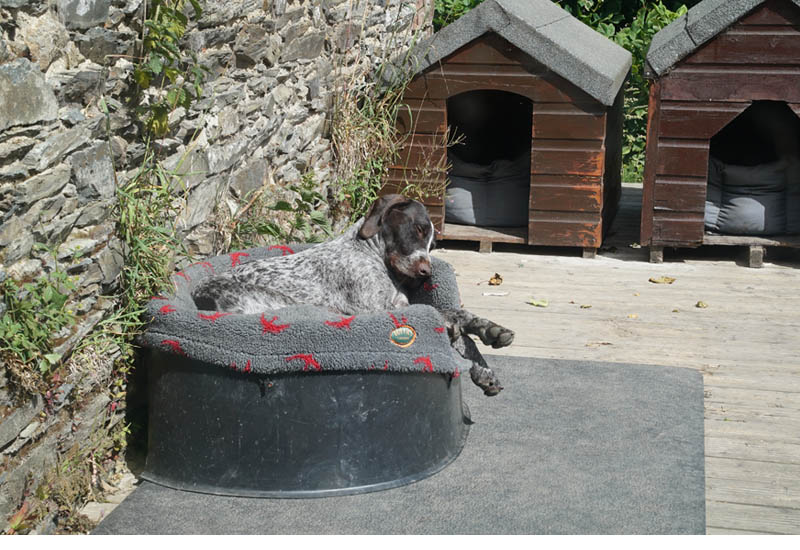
(489, 160)
(754, 173)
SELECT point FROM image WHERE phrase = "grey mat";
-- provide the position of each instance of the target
(569, 447)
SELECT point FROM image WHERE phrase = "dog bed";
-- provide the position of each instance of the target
(306, 338)
(300, 402)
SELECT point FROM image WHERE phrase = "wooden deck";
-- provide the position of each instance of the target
(746, 342)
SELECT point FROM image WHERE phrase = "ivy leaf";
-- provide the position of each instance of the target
(155, 64)
(142, 78)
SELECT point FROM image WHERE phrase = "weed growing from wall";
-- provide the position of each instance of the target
(35, 313)
(302, 219)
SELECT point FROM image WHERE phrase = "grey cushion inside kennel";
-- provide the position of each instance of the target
(746, 200)
(306, 338)
(493, 195)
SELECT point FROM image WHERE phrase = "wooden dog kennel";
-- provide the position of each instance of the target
(522, 79)
(725, 85)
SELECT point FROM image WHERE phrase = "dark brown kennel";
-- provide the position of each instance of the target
(723, 143)
(533, 101)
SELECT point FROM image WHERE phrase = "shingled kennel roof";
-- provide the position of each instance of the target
(548, 34)
(693, 29)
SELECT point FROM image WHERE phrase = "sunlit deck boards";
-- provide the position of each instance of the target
(746, 343)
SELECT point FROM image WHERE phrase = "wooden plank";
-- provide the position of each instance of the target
(724, 83)
(696, 120)
(651, 163)
(556, 196)
(459, 232)
(773, 12)
(751, 449)
(762, 493)
(748, 45)
(767, 401)
(420, 151)
(791, 241)
(724, 531)
(764, 519)
(563, 157)
(565, 229)
(677, 229)
(680, 194)
(734, 469)
(682, 158)
(496, 50)
(422, 117)
(548, 87)
(746, 425)
(568, 125)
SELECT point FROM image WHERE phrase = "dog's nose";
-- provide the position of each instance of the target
(424, 270)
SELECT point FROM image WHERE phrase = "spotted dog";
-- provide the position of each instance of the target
(371, 267)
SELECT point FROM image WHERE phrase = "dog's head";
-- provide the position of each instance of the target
(407, 232)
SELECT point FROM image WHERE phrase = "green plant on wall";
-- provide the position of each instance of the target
(35, 313)
(300, 219)
(165, 65)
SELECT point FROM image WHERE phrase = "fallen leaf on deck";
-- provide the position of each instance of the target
(597, 344)
(701, 305)
(675, 310)
(538, 303)
(662, 280)
(633, 316)
(586, 306)
(496, 280)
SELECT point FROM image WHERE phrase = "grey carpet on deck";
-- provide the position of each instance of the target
(569, 447)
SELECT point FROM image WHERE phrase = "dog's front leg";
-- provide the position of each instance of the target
(461, 322)
(480, 373)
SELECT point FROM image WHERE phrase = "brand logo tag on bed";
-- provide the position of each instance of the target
(403, 336)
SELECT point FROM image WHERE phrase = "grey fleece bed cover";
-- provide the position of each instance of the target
(306, 338)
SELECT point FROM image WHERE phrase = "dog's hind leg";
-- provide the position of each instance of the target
(235, 297)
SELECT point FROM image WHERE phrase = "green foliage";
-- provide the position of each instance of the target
(447, 11)
(35, 313)
(145, 225)
(361, 189)
(365, 138)
(145, 205)
(165, 64)
(301, 220)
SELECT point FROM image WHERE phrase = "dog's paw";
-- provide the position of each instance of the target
(485, 379)
(496, 336)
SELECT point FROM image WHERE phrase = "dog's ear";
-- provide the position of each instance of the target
(374, 217)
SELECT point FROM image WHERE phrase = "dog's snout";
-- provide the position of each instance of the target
(424, 269)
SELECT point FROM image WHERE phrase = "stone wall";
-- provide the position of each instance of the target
(263, 121)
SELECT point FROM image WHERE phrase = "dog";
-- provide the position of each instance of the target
(373, 266)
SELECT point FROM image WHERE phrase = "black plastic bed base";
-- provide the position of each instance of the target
(297, 435)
